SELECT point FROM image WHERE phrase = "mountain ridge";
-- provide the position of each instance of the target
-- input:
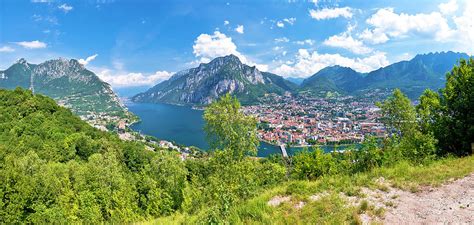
(69, 83)
(205, 83)
(411, 76)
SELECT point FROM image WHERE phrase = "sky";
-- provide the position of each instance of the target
(133, 44)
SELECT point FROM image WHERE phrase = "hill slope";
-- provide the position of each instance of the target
(67, 82)
(203, 84)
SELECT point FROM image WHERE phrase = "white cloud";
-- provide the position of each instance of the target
(346, 41)
(6, 49)
(282, 39)
(240, 29)
(315, 2)
(88, 59)
(331, 13)
(66, 8)
(375, 36)
(387, 24)
(290, 21)
(280, 24)
(124, 79)
(464, 33)
(448, 7)
(31, 44)
(207, 47)
(307, 63)
(226, 22)
(304, 42)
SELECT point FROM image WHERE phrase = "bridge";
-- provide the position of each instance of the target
(283, 151)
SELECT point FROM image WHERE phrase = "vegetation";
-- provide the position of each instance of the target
(56, 168)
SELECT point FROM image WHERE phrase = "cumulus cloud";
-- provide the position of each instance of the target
(65, 8)
(226, 22)
(346, 41)
(118, 79)
(207, 47)
(387, 24)
(308, 63)
(31, 44)
(375, 36)
(280, 24)
(88, 59)
(240, 29)
(331, 13)
(6, 49)
(448, 7)
(464, 33)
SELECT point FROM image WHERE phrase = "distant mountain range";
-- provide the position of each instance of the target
(412, 77)
(68, 82)
(208, 81)
(203, 84)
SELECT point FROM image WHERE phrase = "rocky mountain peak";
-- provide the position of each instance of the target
(22, 61)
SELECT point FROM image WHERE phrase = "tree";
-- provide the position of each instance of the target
(398, 114)
(229, 129)
(428, 111)
(456, 124)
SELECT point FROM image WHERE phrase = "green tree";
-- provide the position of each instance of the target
(428, 111)
(229, 129)
(456, 124)
(398, 114)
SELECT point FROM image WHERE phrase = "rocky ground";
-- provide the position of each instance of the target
(452, 203)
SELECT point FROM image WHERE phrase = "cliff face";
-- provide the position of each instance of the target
(204, 84)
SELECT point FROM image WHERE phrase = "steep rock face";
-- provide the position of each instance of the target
(66, 81)
(205, 83)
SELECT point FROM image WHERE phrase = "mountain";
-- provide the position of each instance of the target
(334, 79)
(208, 81)
(296, 80)
(67, 82)
(412, 76)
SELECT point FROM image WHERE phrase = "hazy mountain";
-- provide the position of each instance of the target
(66, 81)
(335, 79)
(412, 76)
(208, 81)
(296, 80)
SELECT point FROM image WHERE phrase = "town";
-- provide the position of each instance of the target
(304, 120)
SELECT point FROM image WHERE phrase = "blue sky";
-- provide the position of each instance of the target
(140, 43)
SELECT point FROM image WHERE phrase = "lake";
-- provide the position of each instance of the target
(184, 125)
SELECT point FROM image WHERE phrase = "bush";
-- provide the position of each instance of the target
(313, 164)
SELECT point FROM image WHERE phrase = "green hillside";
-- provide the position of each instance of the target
(67, 82)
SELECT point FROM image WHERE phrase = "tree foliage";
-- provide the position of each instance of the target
(456, 122)
(229, 129)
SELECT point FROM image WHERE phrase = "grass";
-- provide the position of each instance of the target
(331, 207)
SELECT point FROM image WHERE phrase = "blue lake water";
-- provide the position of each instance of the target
(184, 125)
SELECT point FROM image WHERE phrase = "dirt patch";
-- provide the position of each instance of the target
(452, 203)
(277, 200)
